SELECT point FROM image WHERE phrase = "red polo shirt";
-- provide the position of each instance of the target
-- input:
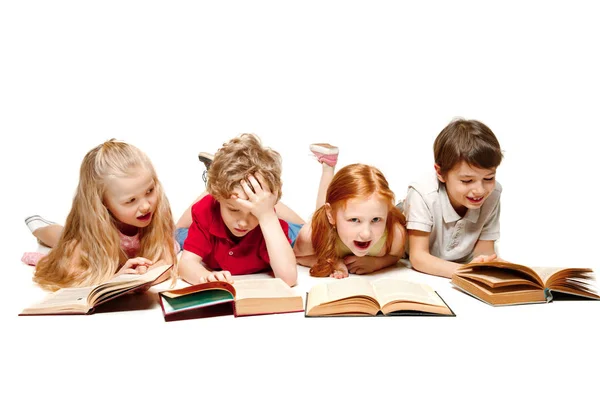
(209, 238)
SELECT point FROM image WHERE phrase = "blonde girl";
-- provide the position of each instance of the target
(120, 222)
(356, 227)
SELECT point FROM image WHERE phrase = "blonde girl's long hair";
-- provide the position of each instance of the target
(90, 229)
(351, 182)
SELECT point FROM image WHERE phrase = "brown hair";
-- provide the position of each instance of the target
(468, 140)
(238, 158)
(351, 182)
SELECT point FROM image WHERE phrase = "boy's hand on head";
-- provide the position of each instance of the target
(137, 265)
(361, 265)
(260, 201)
(223, 276)
(484, 258)
(340, 271)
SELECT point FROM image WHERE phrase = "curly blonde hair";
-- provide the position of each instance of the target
(89, 249)
(238, 158)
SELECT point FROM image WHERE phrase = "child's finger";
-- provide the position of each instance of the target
(348, 260)
(227, 276)
(128, 271)
(256, 187)
(263, 183)
(247, 189)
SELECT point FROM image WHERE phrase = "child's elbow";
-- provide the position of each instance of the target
(291, 280)
(418, 263)
(290, 277)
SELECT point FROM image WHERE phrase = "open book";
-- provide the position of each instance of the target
(503, 283)
(243, 297)
(82, 300)
(358, 296)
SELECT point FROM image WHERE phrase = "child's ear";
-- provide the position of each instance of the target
(329, 213)
(439, 173)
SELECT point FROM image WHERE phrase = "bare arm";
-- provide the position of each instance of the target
(281, 255)
(423, 261)
(303, 250)
(261, 203)
(484, 251)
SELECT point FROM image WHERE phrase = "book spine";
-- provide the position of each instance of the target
(548, 295)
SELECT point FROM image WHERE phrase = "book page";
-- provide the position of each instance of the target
(477, 267)
(72, 300)
(350, 296)
(120, 283)
(350, 287)
(389, 290)
(546, 272)
(341, 289)
(262, 288)
(499, 277)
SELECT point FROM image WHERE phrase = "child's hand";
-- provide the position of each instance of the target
(260, 201)
(340, 271)
(485, 258)
(137, 265)
(361, 265)
(224, 276)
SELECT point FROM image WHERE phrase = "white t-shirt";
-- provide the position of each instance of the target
(427, 208)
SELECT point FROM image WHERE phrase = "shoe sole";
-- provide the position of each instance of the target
(324, 148)
(204, 157)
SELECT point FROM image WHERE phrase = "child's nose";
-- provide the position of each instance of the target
(145, 207)
(244, 221)
(365, 233)
(478, 188)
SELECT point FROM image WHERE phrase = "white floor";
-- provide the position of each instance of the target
(379, 80)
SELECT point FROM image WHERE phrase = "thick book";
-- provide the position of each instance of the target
(502, 283)
(242, 298)
(387, 296)
(83, 300)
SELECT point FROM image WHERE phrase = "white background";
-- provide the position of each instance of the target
(378, 79)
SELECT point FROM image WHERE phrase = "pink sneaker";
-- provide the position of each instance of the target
(32, 258)
(325, 153)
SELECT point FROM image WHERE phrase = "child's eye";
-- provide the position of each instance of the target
(233, 210)
(354, 220)
(467, 181)
(489, 179)
(376, 219)
(150, 191)
(130, 201)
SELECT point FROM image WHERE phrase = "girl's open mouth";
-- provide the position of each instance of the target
(145, 217)
(362, 245)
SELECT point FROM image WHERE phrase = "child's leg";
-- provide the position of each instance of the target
(47, 232)
(287, 214)
(186, 218)
(326, 178)
(327, 155)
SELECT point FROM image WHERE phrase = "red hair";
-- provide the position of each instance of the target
(351, 182)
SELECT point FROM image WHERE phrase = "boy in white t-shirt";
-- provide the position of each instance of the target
(453, 216)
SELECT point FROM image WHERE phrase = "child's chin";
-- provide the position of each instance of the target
(360, 252)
